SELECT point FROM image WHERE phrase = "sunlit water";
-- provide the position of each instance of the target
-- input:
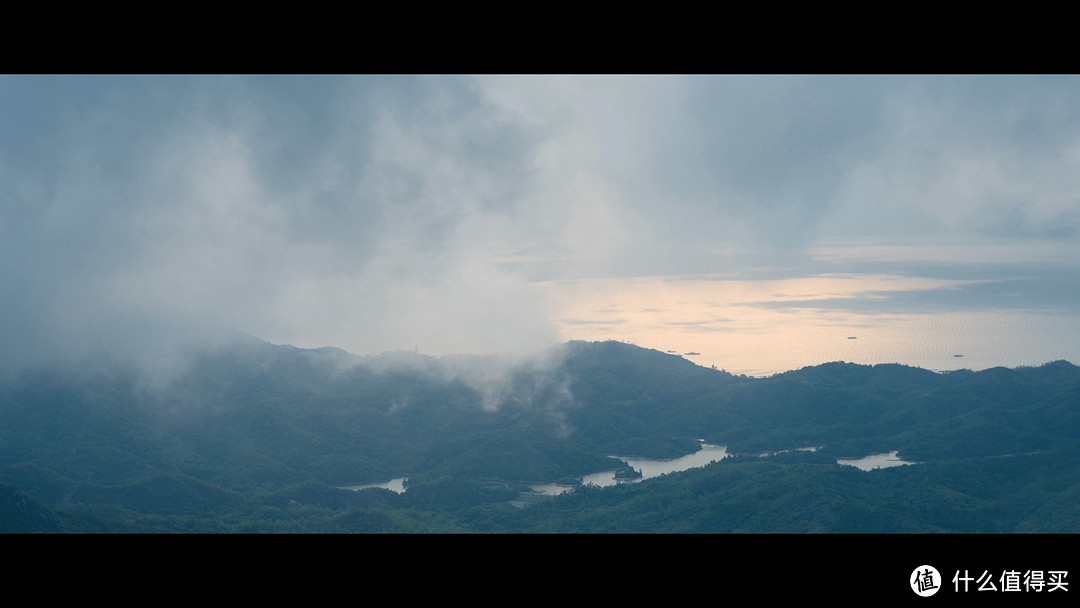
(759, 328)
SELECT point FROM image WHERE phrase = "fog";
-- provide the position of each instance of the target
(464, 214)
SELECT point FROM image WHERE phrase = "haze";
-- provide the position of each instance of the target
(765, 222)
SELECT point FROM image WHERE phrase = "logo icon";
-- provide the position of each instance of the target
(925, 581)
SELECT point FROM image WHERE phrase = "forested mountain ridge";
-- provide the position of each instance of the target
(253, 437)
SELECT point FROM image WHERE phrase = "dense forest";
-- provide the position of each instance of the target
(256, 437)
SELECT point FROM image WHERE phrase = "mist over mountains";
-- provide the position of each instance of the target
(152, 225)
(251, 436)
(505, 213)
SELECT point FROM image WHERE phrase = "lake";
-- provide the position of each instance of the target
(653, 467)
(874, 461)
(394, 485)
(649, 468)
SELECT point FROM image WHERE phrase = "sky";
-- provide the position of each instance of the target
(765, 222)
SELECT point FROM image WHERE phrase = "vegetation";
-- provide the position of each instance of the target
(254, 438)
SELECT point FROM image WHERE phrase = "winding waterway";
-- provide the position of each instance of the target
(653, 467)
(648, 467)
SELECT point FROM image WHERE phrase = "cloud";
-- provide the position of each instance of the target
(982, 155)
(383, 212)
(355, 212)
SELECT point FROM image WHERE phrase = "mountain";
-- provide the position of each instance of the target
(20, 514)
(254, 436)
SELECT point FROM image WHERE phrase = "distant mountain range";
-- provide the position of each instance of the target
(255, 437)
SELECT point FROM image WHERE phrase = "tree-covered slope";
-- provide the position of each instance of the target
(214, 446)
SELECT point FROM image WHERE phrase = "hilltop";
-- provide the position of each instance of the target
(255, 436)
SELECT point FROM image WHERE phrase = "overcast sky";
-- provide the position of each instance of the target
(477, 214)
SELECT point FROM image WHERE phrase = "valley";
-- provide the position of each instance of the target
(256, 437)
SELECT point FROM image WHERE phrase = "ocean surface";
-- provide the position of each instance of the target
(941, 307)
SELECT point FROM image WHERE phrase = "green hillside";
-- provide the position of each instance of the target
(255, 437)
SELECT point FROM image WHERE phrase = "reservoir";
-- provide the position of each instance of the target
(394, 485)
(648, 467)
(874, 461)
(653, 467)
